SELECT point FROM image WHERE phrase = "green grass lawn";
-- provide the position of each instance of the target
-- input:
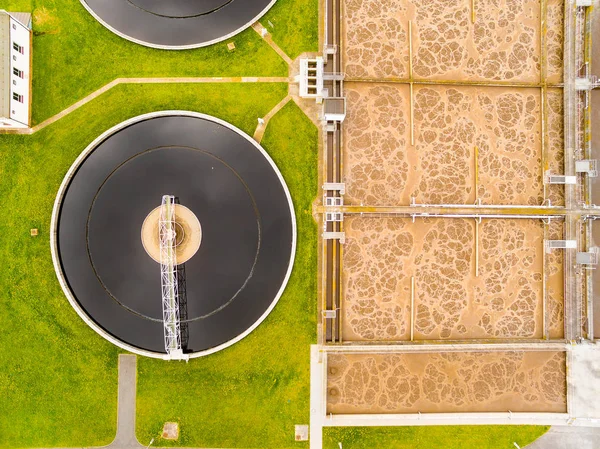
(253, 393)
(442, 437)
(295, 25)
(58, 379)
(74, 55)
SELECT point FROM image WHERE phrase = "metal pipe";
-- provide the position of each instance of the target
(410, 76)
(476, 163)
(412, 308)
(498, 83)
(477, 247)
(466, 210)
(341, 288)
(544, 281)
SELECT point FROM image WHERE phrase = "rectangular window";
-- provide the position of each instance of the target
(17, 97)
(18, 72)
(18, 48)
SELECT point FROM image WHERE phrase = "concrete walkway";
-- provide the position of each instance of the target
(559, 437)
(166, 80)
(125, 438)
(260, 128)
(116, 82)
(269, 40)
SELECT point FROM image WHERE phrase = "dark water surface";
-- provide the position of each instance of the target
(221, 177)
(177, 22)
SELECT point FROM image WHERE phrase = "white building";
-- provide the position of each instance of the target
(15, 70)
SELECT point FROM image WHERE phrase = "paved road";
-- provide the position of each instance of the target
(559, 437)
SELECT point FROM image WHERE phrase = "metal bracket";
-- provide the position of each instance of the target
(341, 236)
(334, 216)
(559, 244)
(561, 179)
(332, 314)
(335, 186)
(334, 201)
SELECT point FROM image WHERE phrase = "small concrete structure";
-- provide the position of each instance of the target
(231, 46)
(33, 232)
(15, 70)
(301, 432)
(170, 431)
(311, 77)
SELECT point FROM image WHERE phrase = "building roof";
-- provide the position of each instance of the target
(4, 64)
(24, 18)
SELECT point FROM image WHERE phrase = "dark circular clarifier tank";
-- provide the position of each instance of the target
(229, 184)
(177, 24)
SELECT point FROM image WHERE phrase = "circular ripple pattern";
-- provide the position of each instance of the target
(225, 179)
(177, 24)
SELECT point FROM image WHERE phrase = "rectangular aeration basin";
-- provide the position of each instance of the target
(459, 382)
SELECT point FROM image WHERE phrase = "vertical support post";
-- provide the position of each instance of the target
(476, 163)
(411, 87)
(341, 287)
(412, 308)
(412, 115)
(543, 95)
(324, 284)
(545, 335)
(335, 24)
(544, 126)
(477, 220)
(410, 51)
(334, 287)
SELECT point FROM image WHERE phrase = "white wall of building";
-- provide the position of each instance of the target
(19, 110)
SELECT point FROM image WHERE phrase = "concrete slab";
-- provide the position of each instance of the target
(584, 382)
(563, 437)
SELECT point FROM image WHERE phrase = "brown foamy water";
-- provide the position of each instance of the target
(555, 141)
(502, 44)
(450, 301)
(382, 168)
(446, 382)
(554, 40)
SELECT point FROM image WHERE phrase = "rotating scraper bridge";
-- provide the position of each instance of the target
(351, 222)
(169, 279)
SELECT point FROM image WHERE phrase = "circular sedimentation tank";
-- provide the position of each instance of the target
(234, 232)
(177, 24)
